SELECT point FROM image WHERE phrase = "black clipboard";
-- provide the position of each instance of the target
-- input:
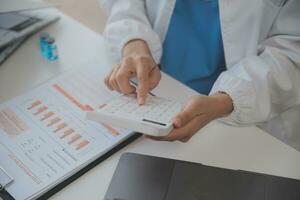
(6, 196)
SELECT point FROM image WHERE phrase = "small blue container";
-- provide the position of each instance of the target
(51, 49)
(43, 43)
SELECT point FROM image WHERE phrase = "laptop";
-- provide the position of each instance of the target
(17, 25)
(7, 50)
(141, 177)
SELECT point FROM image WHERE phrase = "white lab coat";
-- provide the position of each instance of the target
(262, 49)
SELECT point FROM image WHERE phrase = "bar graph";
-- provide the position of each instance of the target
(59, 110)
(55, 123)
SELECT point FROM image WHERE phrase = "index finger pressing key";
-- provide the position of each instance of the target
(143, 84)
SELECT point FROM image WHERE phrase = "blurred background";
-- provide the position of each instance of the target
(87, 12)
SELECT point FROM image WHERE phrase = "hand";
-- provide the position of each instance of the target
(137, 61)
(198, 112)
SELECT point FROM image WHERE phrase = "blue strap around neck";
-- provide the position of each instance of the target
(193, 48)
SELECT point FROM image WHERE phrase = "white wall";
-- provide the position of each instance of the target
(88, 12)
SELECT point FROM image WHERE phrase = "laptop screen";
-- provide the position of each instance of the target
(16, 22)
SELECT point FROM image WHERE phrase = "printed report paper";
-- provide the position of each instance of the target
(44, 136)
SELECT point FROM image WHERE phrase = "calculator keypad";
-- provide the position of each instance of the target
(156, 108)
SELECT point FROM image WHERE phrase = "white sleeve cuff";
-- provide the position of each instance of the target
(242, 94)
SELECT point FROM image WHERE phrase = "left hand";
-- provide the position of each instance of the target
(198, 112)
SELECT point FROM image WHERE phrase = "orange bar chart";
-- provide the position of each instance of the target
(40, 110)
(56, 122)
(74, 138)
(34, 104)
(60, 127)
(82, 144)
(53, 121)
(47, 115)
(67, 132)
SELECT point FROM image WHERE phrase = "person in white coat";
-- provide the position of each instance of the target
(245, 55)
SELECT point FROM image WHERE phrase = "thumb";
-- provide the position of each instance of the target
(185, 116)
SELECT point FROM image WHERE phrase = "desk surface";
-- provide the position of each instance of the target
(219, 145)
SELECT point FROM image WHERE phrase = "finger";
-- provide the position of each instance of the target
(106, 80)
(143, 83)
(122, 76)
(154, 138)
(154, 78)
(187, 131)
(113, 82)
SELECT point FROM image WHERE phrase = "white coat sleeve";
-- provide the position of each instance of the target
(265, 85)
(127, 20)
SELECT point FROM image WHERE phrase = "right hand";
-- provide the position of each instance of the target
(137, 62)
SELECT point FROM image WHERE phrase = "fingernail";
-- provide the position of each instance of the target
(177, 122)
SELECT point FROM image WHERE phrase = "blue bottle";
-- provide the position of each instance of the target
(43, 43)
(51, 49)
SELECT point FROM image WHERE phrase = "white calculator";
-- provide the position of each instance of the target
(153, 118)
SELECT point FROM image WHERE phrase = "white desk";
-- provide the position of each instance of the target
(218, 145)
